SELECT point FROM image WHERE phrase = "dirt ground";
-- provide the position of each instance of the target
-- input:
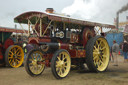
(115, 75)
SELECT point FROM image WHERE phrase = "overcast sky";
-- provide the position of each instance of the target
(103, 11)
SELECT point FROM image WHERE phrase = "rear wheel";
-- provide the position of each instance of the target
(14, 56)
(35, 62)
(97, 54)
(61, 64)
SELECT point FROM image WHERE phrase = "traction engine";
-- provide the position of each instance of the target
(61, 41)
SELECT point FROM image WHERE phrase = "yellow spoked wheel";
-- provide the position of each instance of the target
(35, 62)
(14, 56)
(97, 54)
(61, 64)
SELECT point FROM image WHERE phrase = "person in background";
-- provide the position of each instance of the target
(125, 50)
(20, 41)
(115, 50)
(111, 55)
(14, 38)
(19, 38)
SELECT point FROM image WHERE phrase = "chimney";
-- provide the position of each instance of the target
(49, 10)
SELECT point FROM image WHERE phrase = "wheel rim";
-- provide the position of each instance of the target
(101, 54)
(16, 56)
(33, 62)
(63, 64)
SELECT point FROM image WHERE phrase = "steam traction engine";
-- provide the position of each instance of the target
(61, 42)
(11, 53)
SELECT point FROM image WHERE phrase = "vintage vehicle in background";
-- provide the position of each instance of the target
(62, 42)
(11, 53)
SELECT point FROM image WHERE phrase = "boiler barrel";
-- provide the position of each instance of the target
(52, 47)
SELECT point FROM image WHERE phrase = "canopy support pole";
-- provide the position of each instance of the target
(22, 28)
(2, 37)
(47, 28)
(28, 28)
(34, 26)
(40, 27)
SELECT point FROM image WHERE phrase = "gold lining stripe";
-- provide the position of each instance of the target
(59, 46)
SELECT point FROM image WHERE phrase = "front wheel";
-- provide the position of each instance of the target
(35, 62)
(61, 64)
(14, 56)
(97, 54)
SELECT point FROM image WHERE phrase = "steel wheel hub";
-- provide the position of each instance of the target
(34, 62)
(35, 67)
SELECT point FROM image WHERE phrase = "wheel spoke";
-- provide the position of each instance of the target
(100, 43)
(36, 55)
(17, 51)
(65, 64)
(32, 57)
(11, 52)
(37, 70)
(57, 65)
(95, 57)
(104, 56)
(30, 64)
(32, 67)
(63, 57)
(57, 69)
(95, 53)
(14, 63)
(58, 58)
(96, 49)
(14, 49)
(10, 57)
(64, 69)
(102, 63)
(19, 55)
(103, 48)
(60, 71)
(17, 60)
(95, 62)
(96, 42)
(10, 61)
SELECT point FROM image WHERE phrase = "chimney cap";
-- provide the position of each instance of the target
(49, 10)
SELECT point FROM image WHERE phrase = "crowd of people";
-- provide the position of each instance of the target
(16, 38)
(115, 51)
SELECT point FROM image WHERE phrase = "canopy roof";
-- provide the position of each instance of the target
(6, 29)
(23, 18)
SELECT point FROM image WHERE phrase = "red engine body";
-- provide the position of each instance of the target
(73, 42)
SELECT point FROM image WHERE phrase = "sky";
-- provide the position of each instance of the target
(102, 11)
